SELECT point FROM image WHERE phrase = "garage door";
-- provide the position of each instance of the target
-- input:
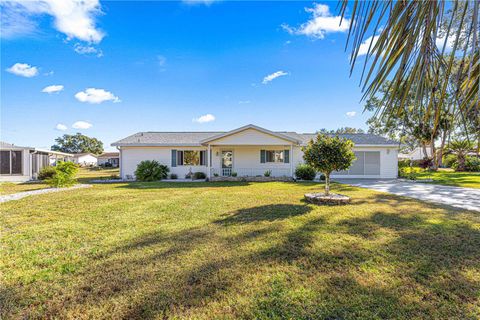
(367, 164)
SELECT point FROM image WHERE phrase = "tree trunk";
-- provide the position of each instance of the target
(434, 155)
(424, 148)
(442, 147)
(327, 184)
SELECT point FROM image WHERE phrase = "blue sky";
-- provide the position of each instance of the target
(172, 66)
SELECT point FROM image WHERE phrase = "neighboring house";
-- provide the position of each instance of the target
(416, 154)
(85, 159)
(109, 157)
(248, 151)
(19, 164)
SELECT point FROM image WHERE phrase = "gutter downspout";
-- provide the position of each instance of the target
(209, 170)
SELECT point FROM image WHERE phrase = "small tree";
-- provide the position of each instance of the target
(460, 148)
(327, 154)
(64, 176)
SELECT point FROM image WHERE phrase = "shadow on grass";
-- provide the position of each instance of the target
(303, 269)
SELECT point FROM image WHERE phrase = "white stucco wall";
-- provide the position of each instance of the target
(246, 160)
(86, 160)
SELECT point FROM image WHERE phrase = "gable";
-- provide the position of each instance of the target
(250, 137)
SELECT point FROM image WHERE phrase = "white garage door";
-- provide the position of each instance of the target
(367, 164)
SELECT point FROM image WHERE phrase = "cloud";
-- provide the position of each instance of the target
(273, 76)
(61, 127)
(82, 125)
(93, 95)
(23, 70)
(15, 21)
(205, 118)
(53, 88)
(363, 50)
(244, 102)
(321, 23)
(351, 114)
(76, 19)
(87, 50)
(199, 2)
(161, 60)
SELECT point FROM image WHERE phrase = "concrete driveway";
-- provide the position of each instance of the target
(465, 198)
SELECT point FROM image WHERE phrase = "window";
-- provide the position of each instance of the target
(191, 158)
(11, 162)
(367, 163)
(274, 156)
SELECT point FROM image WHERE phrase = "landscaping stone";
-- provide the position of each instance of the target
(20, 195)
(331, 199)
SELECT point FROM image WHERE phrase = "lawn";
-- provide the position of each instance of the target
(236, 251)
(84, 176)
(450, 177)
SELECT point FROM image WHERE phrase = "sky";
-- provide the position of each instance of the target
(110, 69)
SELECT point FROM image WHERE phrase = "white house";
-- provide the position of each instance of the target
(19, 164)
(85, 159)
(416, 154)
(113, 158)
(248, 151)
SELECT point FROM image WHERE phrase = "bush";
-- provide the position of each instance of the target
(151, 170)
(46, 173)
(404, 163)
(173, 176)
(64, 175)
(107, 165)
(449, 160)
(234, 174)
(267, 173)
(425, 163)
(305, 172)
(322, 177)
(199, 175)
(472, 164)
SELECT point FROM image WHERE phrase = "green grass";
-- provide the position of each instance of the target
(450, 177)
(84, 176)
(236, 251)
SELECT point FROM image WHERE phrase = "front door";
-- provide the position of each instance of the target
(227, 162)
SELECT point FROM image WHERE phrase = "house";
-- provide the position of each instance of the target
(113, 158)
(85, 159)
(248, 151)
(19, 164)
(416, 154)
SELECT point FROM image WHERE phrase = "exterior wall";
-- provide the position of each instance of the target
(246, 160)
(250, 137)
(26, 168)
(130, 157)
(86, 160)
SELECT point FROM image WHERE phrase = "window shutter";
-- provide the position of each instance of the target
(262, 156)
(174, 158)
(286, 156)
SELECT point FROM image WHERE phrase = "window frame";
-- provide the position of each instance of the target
(282, 152)
(181, 158)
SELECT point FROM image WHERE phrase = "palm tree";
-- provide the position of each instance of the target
(415, 45)
(460, 148)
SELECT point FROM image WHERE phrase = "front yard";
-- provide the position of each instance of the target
(452, 178)
(236, 250)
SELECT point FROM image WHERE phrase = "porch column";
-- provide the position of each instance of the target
(291, 160)
(208, 162)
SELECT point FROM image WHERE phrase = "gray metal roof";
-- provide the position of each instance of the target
(6, 145)
(194, 138)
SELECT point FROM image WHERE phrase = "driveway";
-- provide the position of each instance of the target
(466, 198)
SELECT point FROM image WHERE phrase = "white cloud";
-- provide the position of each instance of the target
(205, 118)
(76, 19)
(440, 42)
(87, 50)
(195, 2)
(53, 88)
(61, 127)
(363, 50)
(351, 114)
(15, 21)
(274, 75)
(81, 125)
(161, 60)
(23, 70)
(93, 95)
(321, 23)
(244, 102)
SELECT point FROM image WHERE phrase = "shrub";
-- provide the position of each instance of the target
(425, 163)
(64, 175)
(403, 163)
(215, 174)
(267, 173)
(234, 174)
(472, 164)
(46, 173)
(151, 170)
(322, 177)
(173, 176)
(107, 165)
(305, 172)
(449, 160)
(199, 175)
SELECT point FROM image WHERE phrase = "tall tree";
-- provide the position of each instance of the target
(78, 143)
(414, 44)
